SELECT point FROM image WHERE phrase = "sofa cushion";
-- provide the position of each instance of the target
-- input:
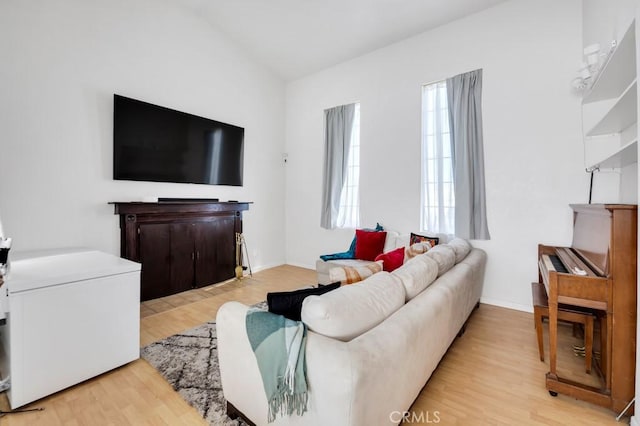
(351, 310)
(416, 275)
(444, 255)
(391, 260)
(416, 238)
(289, 303)
(416, 249)
(354, 274)
(369, 244)
(461, 247)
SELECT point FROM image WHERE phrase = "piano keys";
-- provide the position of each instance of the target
(599, 272)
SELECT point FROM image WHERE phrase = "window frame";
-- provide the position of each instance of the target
(349, 207)
(437, 187)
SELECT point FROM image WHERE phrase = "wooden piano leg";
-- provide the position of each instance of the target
(605, 351)
(553, 325)
(588, 343)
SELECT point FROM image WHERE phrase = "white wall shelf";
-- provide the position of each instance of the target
(625, 156)
(618, 71)
(610, 110)
(623, 113)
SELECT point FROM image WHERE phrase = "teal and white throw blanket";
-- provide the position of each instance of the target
(279, 346)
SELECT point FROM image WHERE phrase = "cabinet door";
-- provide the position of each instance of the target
(155, 256)
(215, 250)
(182, 257)
(166, 254)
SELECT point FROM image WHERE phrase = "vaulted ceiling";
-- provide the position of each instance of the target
(299, 37)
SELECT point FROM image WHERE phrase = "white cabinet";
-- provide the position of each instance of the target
(72, 316)
(610, 109)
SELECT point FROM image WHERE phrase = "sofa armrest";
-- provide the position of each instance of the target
(239, 374)
(329, 374)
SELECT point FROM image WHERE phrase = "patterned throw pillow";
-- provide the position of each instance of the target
(416, 238)
(353, 274)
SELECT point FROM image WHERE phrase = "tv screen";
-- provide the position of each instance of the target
(153, 143)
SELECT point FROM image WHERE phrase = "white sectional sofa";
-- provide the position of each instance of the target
(371, 346)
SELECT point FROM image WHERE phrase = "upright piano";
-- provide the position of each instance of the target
(598, 272)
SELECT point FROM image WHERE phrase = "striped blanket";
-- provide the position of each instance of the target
(279, 346)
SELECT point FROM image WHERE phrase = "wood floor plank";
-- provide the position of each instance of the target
(490, 376)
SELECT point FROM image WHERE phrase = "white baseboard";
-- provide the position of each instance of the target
(263, 267)
(509, 305)
(634, 421)
(301, 265)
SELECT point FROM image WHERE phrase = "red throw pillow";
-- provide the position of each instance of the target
(392, 260)
(369, 244)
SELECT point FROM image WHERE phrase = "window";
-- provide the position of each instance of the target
(348, 211)
(438, 199)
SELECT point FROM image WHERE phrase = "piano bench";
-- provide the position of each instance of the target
(565, 313)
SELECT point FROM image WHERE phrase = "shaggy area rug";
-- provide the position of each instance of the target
(189, 362)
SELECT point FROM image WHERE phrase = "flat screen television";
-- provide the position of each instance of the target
(153, 143)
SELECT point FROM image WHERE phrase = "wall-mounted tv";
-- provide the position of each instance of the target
(153, 143)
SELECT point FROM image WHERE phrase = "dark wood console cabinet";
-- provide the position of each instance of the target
(181, 245)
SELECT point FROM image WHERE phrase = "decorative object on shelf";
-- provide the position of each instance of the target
(592, 55)
(591, 67)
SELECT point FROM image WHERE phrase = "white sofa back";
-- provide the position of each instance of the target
(351, 310)
(354, 309)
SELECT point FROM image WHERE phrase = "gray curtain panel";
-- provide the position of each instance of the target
(464, 95)
(338, 124)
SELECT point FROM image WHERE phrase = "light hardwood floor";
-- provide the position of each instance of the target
(490, 376)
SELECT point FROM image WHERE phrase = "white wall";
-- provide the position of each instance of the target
(61, 64)
(529, 51)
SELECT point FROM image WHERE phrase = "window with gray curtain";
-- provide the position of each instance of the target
(453, 189)
(340, 191)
